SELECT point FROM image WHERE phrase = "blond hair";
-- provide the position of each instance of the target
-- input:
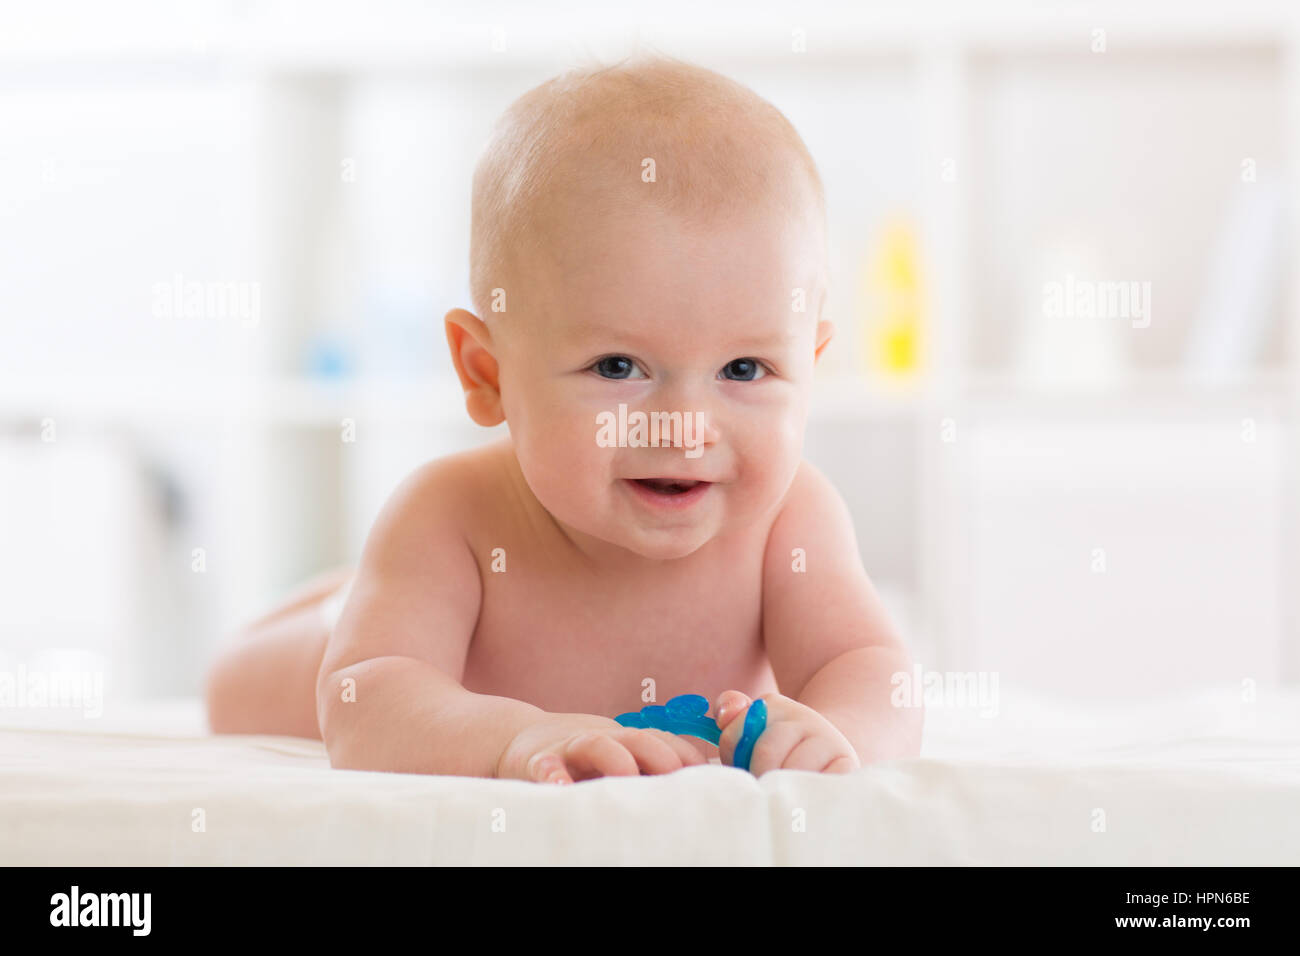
(716, 146)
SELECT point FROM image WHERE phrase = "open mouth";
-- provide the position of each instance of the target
(669, 487)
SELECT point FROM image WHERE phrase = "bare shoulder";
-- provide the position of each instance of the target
(417, 591)
(441, 502)
(812, 513)
(459, 479)
(811, 484)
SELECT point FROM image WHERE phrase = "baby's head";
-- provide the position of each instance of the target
(649, 235)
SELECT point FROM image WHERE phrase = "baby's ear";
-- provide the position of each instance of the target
(825, 332)
(469, 341)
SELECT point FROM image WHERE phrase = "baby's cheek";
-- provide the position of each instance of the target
(552, 435)
(773, 448)
(567, 459)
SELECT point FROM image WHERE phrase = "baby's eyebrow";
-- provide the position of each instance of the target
(593, 330)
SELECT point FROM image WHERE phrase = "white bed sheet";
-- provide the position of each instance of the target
(1205, 780)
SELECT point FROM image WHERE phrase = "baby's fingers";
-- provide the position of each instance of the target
(652, 753)
(821, 755)
(774, 745)
(685, 753)
(731, 703)
(598, 755)
(548, 767)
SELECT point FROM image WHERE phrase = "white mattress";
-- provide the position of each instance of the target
(1206, 780)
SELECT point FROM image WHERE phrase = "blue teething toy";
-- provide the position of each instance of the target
(685, 714)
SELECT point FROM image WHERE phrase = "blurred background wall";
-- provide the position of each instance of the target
(1061, 404)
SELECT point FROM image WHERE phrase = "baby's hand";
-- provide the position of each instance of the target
(796, 738)
(562, 748)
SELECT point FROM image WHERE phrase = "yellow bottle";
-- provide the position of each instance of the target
(893, 313)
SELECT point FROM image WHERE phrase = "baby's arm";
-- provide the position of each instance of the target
(831, 646)
(389, 694)
(389, 690)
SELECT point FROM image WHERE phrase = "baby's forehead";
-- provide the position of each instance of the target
(652, 278)
(607, 244)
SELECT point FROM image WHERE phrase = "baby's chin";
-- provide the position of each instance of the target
(655, 544)
(666, 547)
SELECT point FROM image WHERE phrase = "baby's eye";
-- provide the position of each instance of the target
(743, 370)
(617, 367)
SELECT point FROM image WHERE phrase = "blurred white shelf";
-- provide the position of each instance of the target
(849, 398)
(274, 402)
(401, 35)
(1149, 390)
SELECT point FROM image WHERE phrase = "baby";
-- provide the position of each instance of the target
(648, 268)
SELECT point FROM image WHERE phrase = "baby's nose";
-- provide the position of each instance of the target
(700, 427)
(706, 431)
(699, 433)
